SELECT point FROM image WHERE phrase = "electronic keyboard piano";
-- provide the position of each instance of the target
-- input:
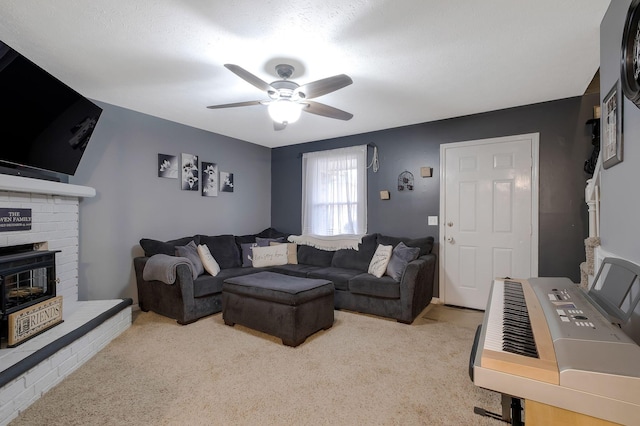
(544, 341)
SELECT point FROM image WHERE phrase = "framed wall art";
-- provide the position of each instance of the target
(226, 182)
(611, 116)
(190, 172)
(167, 166)
(209, 179)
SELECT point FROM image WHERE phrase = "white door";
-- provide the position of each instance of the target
(489, 216)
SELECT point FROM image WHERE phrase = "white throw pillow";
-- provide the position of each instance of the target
(209, 263)
(292, 252)
(380, 260)
(270, 256)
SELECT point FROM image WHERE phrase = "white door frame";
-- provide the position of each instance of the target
(535, 167)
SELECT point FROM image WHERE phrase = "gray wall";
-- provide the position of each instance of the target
(132, 202)
(565, 143)
(620, 201)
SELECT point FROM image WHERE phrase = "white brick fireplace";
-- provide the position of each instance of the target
(35, 366)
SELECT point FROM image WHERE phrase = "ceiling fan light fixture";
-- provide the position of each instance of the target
(284, 111)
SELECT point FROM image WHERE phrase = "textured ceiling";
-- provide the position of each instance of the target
(411, 61)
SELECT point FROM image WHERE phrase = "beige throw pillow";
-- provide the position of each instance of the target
(380, 260)
(270, 256)
(209, 263)
(292, 252)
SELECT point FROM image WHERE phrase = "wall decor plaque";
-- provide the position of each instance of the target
(15, 219)
(33, 320)
(611, 127)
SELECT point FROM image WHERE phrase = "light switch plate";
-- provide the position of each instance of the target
(433, 220)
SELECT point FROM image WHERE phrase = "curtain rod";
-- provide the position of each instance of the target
(369, 145)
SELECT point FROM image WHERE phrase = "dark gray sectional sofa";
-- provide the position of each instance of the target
(188, 300)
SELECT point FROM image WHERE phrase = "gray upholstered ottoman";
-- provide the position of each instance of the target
(284, 306)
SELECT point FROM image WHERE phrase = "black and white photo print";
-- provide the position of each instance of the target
(209, 179)
(189, 172)
(226, 182)
(168, 166)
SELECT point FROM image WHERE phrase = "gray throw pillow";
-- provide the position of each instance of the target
(400, 258)
(190, 251)
(266, 242)
(247, 253)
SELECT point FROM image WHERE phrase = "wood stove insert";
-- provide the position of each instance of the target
(27, 278)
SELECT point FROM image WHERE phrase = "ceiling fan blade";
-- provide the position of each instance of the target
(324, 86)
(250, 78)
(235, 104)
(326, 111)
(279, 126)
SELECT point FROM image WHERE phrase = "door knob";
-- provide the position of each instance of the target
(450, 240)
(449, 224)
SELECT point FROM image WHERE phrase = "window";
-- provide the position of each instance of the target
(334, 191)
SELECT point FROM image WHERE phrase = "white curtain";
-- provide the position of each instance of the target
(334, 191)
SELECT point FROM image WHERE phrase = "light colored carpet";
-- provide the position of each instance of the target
(365, 370)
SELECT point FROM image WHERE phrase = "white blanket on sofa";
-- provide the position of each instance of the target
(162, 267)
(329, 243)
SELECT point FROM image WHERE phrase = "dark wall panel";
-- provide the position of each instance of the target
(565, 143)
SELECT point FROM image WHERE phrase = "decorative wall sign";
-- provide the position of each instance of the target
(611, 125)
(190, 172)
(405, 181)
(33, 320)
(167, 166)
(15, 219)
(209, 179)
(630, 61)
(226, 182)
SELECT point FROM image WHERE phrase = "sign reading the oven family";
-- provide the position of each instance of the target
(15, 219)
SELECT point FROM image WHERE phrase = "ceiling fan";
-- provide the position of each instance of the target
(288, 99)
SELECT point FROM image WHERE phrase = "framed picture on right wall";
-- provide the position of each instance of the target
(611, 126)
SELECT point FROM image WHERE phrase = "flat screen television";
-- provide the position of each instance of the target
(44, 124)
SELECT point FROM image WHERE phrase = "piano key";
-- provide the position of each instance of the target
(511, 326)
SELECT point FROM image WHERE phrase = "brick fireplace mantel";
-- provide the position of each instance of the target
(55, 222)
(39, 186)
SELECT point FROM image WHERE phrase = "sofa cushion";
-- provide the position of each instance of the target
(298, 270)
(368, 285)
(205, 285)
(224, 250)
(339, 276)
(356, 259)
(314, 256)
(152, 247)
(271, 233)
(244, 239)
(265, 242)
(400, 258)
(425, 244)
(190, 251)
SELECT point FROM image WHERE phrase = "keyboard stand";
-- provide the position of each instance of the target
(511, 406)
(511, 411)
